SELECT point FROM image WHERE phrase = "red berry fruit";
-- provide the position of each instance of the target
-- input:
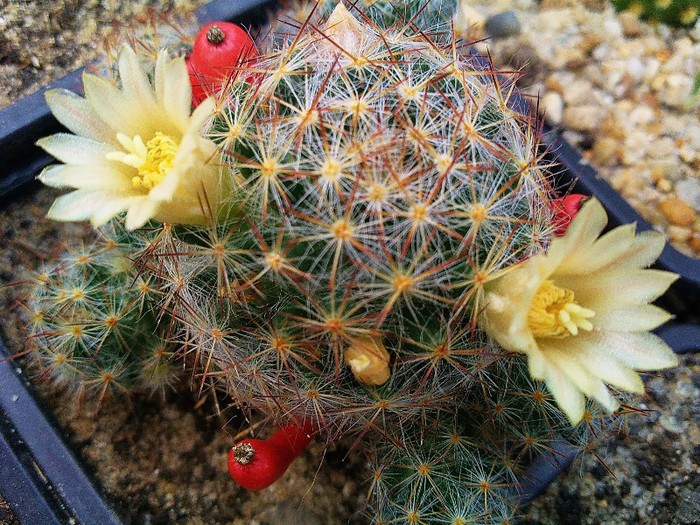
(219, 48)
(256, 464)
(565, 209)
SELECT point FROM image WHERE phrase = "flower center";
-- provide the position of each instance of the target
(153, 159)
(555, 313)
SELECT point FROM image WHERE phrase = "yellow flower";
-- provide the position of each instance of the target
(136, 148)
(368, 360)
(580, 311)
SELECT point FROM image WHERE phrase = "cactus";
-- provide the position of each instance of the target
(376, 191)
(93, 327)
(672, 12)
(374, 179)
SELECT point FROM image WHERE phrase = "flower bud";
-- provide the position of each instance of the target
(368, 360)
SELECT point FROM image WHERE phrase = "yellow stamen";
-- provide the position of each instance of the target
(555, 313)
(153, 159)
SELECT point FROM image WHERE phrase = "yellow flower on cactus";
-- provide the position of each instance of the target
(581, 312)
(137, 148)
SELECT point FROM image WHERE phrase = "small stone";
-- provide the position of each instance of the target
(631, 26)
(557, 4)
(583, 118)
(641, 115)
(664, 185)
(679, 233)
(672, 89)
(604, 150)
(677, 212)
(469, 23)
(689, 191)
(503, 24)
(694, 242)
(553, 107)
(577, 93)
(687, 154)
(663, 147)
(671, 424)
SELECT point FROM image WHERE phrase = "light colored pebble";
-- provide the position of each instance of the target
(687, 154)
(583, 118)
(677, 211)
(662, 148)
(469, 23)
(604, 150)
(679, 233)
(578, 92)
(631, 26)
(553, 107)
(641, 115)
(673, 89)
(688, 190)
(664, 185)
(694, 242)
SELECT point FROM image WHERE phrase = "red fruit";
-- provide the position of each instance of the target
(257, 463)
(218, 49)
(565, 209)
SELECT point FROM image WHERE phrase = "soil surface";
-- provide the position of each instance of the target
(163, 460)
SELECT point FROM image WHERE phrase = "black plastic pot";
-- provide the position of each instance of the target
(40, 476)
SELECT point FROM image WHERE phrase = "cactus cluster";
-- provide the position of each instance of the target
(94, 328)
(373, 178)
(672, 12)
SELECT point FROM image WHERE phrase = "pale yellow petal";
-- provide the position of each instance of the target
(600, 362)
(74, 149)
(568, 362)
(582, 232)
(639, 351)
(159, 76)
(88, 177)
(202, 114)
(645, 249)
(177, 93)
(112, 207)
(613, 373)
(618, 287)
(135, 83)
(629, 318)
(77, 114)
(115, 109)
(506, 321)
(569, 398)
(605, 251)
(537, 364)
(140, 213)
(82, 205)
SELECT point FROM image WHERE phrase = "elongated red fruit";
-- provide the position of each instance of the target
(219, 48)
(565, 209)
(256, 464)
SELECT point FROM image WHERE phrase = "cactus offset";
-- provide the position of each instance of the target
(93, 326)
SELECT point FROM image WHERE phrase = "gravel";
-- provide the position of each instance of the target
(622, 89)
